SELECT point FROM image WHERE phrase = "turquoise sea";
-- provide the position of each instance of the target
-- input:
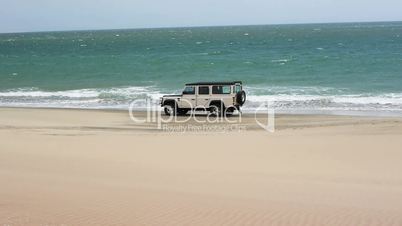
(331, 68)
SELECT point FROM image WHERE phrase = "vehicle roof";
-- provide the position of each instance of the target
(213, 83)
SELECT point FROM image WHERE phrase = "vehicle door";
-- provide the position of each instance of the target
(203, 96)
(188, 99)
(223, 93)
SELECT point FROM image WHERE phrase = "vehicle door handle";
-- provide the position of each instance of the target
(206, 99)
(192, 99)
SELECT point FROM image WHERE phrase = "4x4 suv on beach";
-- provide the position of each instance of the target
(219, 98)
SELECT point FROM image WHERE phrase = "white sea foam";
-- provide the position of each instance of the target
(307, 99)
(118, 97)
(303, 102)
(30, 92)
(280, 61)
(283, 99)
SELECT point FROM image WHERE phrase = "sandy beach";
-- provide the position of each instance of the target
(92, 167)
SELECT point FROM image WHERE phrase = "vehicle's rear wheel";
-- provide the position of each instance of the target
(216, 109)
(229, 111)
(170, 109)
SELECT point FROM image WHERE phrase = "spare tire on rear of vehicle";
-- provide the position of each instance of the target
(241, 97)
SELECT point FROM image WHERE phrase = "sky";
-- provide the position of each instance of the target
(55, 15)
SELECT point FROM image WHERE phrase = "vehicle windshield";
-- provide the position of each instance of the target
(189, 90)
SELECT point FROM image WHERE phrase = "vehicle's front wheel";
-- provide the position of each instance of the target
(170, 109)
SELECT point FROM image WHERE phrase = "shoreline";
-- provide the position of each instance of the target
(80, 121)
(142, 114)
(367, 114)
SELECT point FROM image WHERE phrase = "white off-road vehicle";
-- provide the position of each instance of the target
(219, 98)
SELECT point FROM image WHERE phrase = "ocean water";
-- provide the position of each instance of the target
(329, 68)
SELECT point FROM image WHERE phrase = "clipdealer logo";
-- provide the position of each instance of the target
(205, 122)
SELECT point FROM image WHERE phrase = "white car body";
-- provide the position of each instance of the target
(206, 96)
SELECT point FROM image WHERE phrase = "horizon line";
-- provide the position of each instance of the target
(198, 26)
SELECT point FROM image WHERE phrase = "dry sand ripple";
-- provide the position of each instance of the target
(95, 168)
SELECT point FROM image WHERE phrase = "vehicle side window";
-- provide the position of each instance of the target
(237, 88)
(203, 90)
(189, 90)
(226, 89)
(220, 89)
